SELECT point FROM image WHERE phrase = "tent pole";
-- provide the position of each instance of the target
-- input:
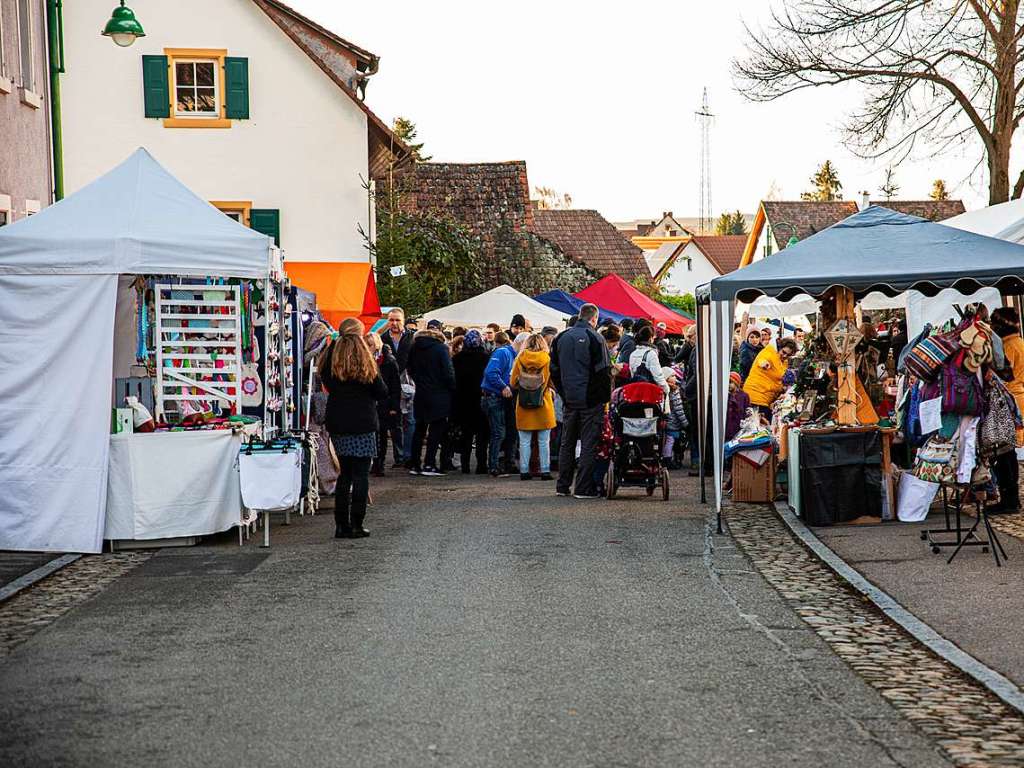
(702, 409)
(846, 388)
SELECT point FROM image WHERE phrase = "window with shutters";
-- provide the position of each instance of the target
(203, 87)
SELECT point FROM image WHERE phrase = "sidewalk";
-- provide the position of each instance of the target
(970, 602)
(14, 565)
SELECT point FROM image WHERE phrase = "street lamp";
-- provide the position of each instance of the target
(123, 27)
(793, 239)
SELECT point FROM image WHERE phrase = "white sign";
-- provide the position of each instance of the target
(931, 416)
(398, 271)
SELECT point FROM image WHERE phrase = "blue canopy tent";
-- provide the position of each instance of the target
(874, 250)
(566, 302)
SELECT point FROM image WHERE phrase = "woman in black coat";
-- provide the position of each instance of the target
(389, 410)
(430, 367)
(469, 367)
(354, 387)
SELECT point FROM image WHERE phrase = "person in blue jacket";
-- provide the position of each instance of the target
(495, 391)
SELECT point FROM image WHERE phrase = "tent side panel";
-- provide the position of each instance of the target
(56, 358)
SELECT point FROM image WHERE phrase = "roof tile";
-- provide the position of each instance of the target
(589, 239)
(723, 251)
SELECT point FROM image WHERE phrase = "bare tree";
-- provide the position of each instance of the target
(549, 199)
(940, 72)
(889, 188)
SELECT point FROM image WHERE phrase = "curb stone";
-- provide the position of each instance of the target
(920, 631)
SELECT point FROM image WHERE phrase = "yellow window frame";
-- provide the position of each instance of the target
(243, 207)
(216, 54)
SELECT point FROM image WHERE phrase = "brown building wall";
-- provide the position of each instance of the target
(25, 173)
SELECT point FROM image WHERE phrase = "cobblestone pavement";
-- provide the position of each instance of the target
(972, 726)
(43, 603)
(1011, 524)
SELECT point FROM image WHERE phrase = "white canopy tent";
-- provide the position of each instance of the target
(497, 305)
(59, 274)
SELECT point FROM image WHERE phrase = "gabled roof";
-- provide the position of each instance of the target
(661, 260)
(588, 238)
(368, 59)
(346, 64)
(723, 251)
(808, 217)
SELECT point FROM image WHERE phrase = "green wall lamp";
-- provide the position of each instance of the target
(793, 239)
(123, 28)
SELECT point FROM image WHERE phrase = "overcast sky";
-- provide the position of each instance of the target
(599, 100)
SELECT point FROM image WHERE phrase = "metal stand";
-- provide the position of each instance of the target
(963, 539)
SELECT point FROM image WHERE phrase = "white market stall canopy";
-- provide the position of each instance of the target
(497, 305)
(59, 275)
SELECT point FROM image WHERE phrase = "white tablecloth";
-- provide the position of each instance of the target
(170, 484)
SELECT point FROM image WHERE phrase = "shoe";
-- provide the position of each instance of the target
(416, 471)
(433, 472)
(563, 493)
(585, 496)
(505, 473)
(342, 533)
(493, 473)
(525, 476)
(546, 476)
(359, 533)
(481, 470)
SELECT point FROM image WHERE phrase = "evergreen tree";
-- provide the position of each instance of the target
(731, 224)
(939, 191)
(405, 130)
(827, 187)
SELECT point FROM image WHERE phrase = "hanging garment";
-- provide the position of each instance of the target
(968, 449)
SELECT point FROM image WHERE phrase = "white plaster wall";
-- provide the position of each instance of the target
(682, 280)
(302, 150)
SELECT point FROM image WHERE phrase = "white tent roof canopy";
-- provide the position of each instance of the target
(1005, 221)
(497, 305)
(135, 219)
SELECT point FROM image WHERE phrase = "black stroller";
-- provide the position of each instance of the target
(638, 428)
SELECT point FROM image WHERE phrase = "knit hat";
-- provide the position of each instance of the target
(472, 340)
(518, 321)
(735, 376)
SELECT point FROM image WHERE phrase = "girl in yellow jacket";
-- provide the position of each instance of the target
(535, 404)
(764, 384)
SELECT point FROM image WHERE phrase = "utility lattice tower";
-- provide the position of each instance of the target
(705, 117)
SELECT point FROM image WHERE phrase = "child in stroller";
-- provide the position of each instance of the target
(638, 421)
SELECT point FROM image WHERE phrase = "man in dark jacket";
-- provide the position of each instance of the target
(469, 367)
(396, 336)
(389, 410)
(581, 374)
(430, 367)
(662, 345)
(628, 342)
(690, 397)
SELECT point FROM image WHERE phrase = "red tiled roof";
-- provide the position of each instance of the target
(723, 251)
(588, 238)
(933, 210)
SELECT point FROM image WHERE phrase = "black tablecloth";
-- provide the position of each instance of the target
(840, 476)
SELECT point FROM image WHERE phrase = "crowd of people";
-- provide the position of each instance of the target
(517, 400)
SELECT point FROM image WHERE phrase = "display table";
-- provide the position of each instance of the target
(168, 485)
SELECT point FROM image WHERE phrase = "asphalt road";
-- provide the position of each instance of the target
(484, 623)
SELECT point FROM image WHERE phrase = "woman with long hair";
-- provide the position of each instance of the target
(535, 406)
(354, 387)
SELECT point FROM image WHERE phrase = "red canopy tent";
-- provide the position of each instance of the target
(613, 293)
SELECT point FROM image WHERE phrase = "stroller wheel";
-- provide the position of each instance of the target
(609, 482)
(664, 485)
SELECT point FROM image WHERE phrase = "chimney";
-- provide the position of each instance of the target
(666, 214)
(865, 200)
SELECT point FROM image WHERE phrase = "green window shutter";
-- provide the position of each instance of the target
(267, 221)
(236, 85)
(155, 87)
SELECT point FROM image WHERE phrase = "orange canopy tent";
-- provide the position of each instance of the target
(343, 289)
(614, 293)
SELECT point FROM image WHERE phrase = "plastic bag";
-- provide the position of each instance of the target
(142, 419)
